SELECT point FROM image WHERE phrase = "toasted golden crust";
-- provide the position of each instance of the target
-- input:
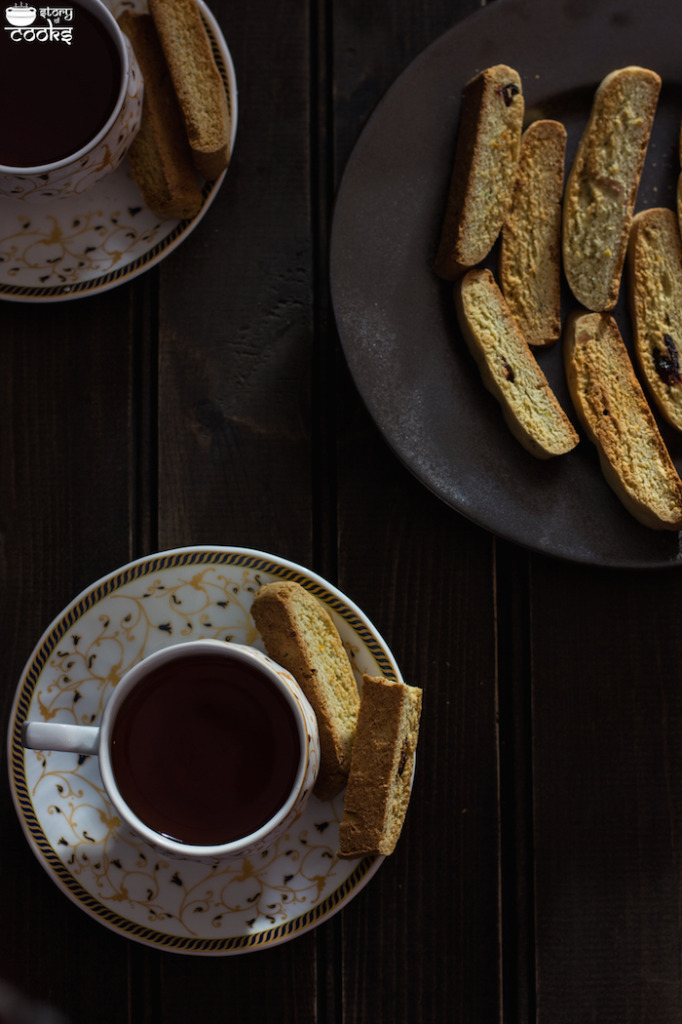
(509, 369)
(614, 412)
(160, 157)
(530, 253)
(484, 169)
(655, 292)
(380, 780)
(678, 197)
(299, 635)
(602, 185)
(197, 83)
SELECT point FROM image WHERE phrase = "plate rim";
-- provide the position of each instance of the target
(392, 434)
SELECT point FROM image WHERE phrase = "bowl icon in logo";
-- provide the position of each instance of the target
(20, 15)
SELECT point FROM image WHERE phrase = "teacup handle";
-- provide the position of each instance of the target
(78, 739)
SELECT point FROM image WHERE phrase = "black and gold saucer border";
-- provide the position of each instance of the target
(234, 558)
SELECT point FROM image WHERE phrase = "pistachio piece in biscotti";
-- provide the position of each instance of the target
(509, 369)
(655, 293)
(484, 169)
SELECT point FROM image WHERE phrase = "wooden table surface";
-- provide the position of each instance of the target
(208, 401)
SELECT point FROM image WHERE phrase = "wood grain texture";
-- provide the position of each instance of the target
(234, 424)
(607, 798)
(538, 876)
(235, 327)
(426, 580)
(208, 402)
(65, 480)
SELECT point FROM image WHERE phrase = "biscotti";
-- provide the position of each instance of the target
(380, 780)
(299, 635)
(530, 253)
(509, 369)
(616, 417)
(655, 292)
(602, 185)
(160, 157)
(679, 182)
(484, 169)
(197, 82)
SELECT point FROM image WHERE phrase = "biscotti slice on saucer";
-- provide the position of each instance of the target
(530, 253)
(197, 82)
(380, 780)
(509, 369)
(602, 185)
(299, 635)
(160, 157)
(655, 293)
(484, 169)
(612, 408)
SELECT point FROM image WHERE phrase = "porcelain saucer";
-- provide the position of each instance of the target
(52, 252)
(239, 905)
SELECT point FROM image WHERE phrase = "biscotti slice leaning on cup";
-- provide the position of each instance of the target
(509, 369)
(197, 82)
(655, 293)
(612, 408)
(530, 253)
(484, 169)
(160, 157)
(380, 780)
(602, 185)
(300, 635)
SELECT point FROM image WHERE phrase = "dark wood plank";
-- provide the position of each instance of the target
(65, 479)
(234, 411)
(422, 942)
(425, 578)
(236, 324)
(607, 714)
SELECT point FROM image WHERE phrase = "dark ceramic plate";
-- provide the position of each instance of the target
(396, 319)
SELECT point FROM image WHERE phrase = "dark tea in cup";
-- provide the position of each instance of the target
(61, 79)
(205, 751)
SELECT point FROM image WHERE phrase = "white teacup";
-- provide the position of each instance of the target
(206, 749)
(31, 32)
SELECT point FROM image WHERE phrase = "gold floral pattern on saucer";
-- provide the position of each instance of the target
(241, 904)
(51, 252)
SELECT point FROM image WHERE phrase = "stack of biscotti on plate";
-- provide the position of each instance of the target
(494, 189)
(589, 239)
(368, 739)
(185, 128)
(599, 232)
